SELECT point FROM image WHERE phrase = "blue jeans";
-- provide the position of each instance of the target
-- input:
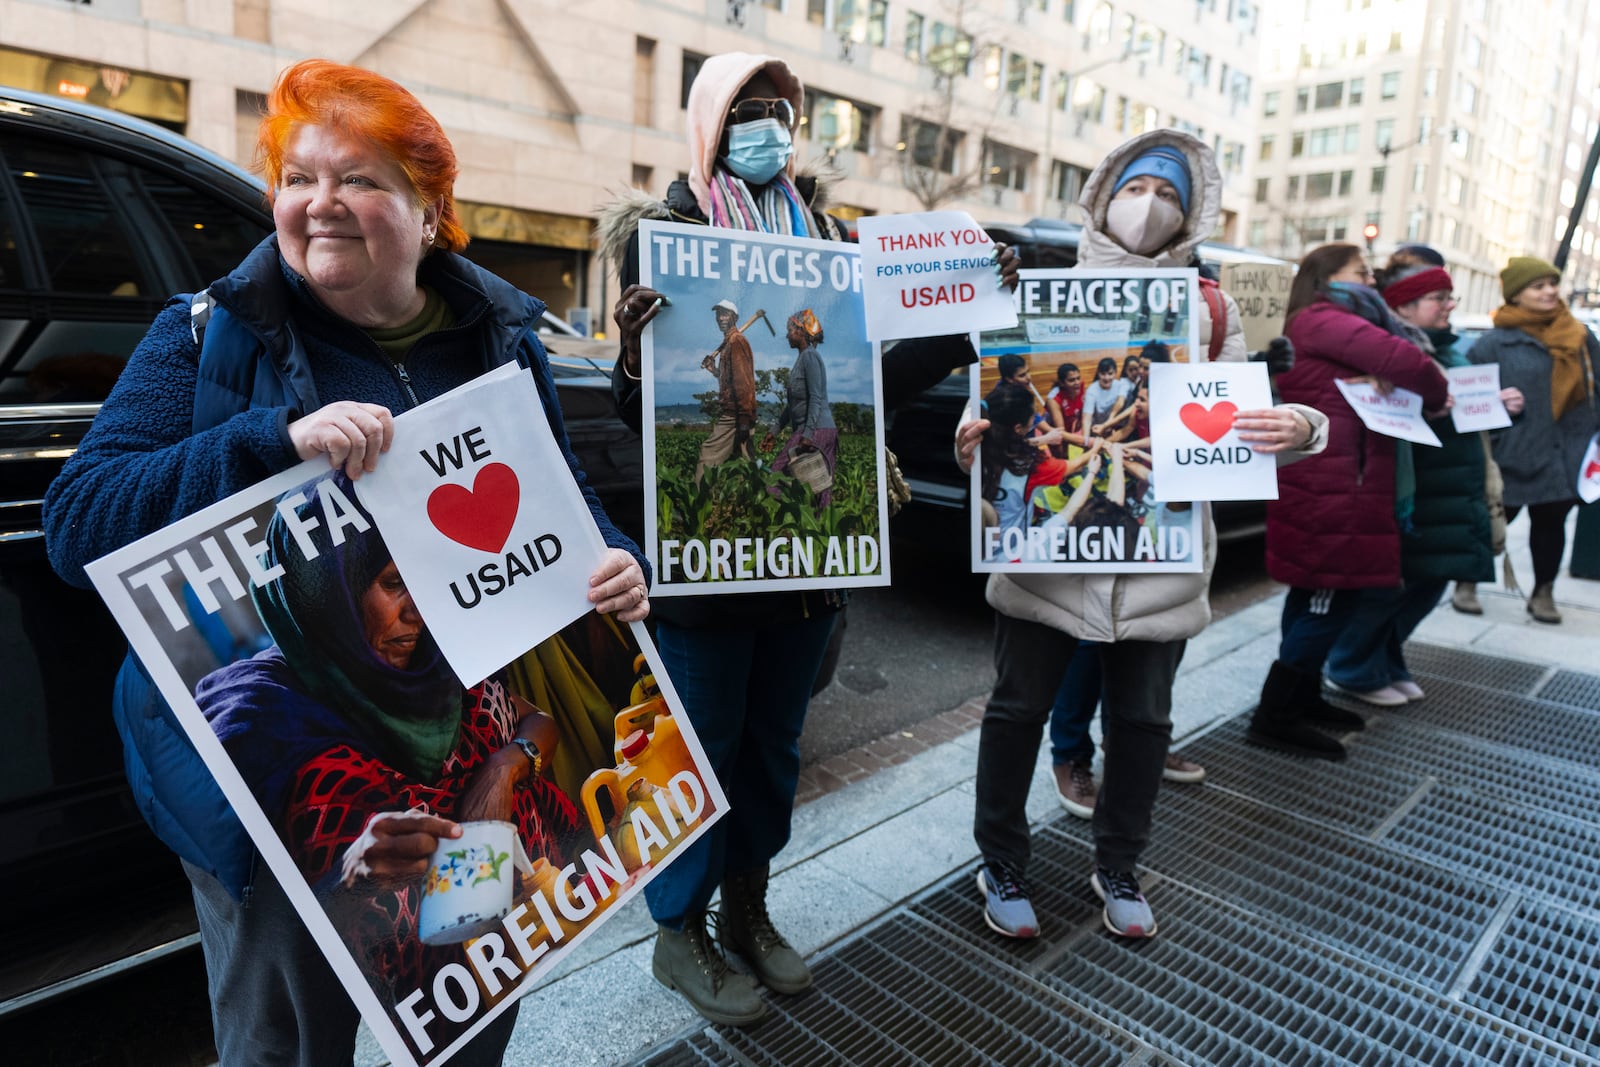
(1313, 619)
(1076, 702)
(746, 692)
(1367, 654)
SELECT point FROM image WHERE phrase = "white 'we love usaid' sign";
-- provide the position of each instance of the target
(1195, 450)
(487, 526)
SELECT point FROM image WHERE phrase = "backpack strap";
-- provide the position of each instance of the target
(1219, 316)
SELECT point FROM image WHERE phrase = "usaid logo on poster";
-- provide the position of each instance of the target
(504, 555)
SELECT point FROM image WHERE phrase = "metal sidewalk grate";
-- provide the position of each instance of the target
(902, 993)
(1570, 687)
(1504, 719)
(697, 1050)
(1523, 849)
(1473, 668)
(1392, 910)
(1222, 986)
(1544, 974)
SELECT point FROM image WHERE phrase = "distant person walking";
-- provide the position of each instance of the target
(1551, 357)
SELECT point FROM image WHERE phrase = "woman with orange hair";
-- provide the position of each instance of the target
(357, 306)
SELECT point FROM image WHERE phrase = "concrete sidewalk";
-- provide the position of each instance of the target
(864, 850)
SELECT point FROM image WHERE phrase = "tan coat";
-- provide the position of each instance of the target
(1142, 607)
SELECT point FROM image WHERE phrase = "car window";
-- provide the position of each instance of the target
(214, 234)
(85, 246)
(10, 252)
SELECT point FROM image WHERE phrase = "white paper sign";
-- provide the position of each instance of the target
(1589, 472)
(1397, 414)
(929, 274)
(1477, 394)
(1193, 444)
(491, 534)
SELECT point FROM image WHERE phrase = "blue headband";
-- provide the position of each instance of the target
(1161, 161)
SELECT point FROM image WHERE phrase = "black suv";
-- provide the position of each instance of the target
(102, 217)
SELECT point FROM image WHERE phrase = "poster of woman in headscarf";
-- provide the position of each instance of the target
(290, 648)
(763, 447)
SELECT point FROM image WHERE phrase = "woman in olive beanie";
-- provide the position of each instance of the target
(1543, 350)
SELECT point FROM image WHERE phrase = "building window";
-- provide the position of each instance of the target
(1089, 100)
(990, 63)
(692, 61)
(1262, 186)
(1266, 148)
(1396, 41)
(1066, 181)
(1269, 103)
(949, 50)
(1100, 24)
(1016, 74)
(1329, 94)
(1466, 97)
(1383, 134)
(1297, 146)
(1069, 11)
(1319, 186)
(1302, 100)
(1346, 177)
(1006, 167)
(1294, 188)
(913, 35)
(1419, 178)
(1378, 175)
(1258, 232)
(1389, 85)
(1358, 87)
(926, 145)
(836, 123)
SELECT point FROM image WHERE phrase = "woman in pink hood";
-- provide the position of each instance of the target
(744, 665)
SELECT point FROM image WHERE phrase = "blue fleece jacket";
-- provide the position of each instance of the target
(181, 431)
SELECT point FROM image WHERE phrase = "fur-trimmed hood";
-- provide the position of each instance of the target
(1096, 248)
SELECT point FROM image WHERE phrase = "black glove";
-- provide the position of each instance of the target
(1278, 356)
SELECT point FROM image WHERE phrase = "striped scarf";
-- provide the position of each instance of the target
(775, 208)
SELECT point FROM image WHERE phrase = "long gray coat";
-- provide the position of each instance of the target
(1538, 456)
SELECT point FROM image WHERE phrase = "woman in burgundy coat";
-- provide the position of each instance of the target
(1332, 531)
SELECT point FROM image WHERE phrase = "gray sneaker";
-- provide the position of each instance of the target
(1005, 901)
(1126, 912)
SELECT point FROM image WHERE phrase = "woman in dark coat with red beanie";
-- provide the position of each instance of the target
(1332, 531)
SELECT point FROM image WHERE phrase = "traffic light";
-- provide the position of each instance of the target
(1370, 232)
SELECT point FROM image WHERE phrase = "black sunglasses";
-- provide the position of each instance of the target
(754, 109)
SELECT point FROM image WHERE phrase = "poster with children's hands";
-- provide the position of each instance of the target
(1063, 480)
(1194, 443)
(494, 540)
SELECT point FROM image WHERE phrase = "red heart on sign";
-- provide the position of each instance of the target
(480, 517)
(1208, 424)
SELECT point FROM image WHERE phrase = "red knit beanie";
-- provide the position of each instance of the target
(1415, 286)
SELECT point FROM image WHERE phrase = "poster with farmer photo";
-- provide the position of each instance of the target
(763, 451)
(447, 838)
(1062, 479)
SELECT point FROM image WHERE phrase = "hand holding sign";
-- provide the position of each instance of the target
(1392, 412)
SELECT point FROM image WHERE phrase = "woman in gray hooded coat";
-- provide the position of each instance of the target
(1149, 204)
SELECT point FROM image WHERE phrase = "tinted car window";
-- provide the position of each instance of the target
(215, 235)
(86, 246)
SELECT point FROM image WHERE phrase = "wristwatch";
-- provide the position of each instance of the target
(530, 750)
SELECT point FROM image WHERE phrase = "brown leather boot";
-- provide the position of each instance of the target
(1542, 604)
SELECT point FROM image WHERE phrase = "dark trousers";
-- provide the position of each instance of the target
(274, 999)
(1136, 721)
(1313, 619)
(1547, 536)
(1076, 702)
(746, 693)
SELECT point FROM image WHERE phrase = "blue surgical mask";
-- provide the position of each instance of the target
(758, 150)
